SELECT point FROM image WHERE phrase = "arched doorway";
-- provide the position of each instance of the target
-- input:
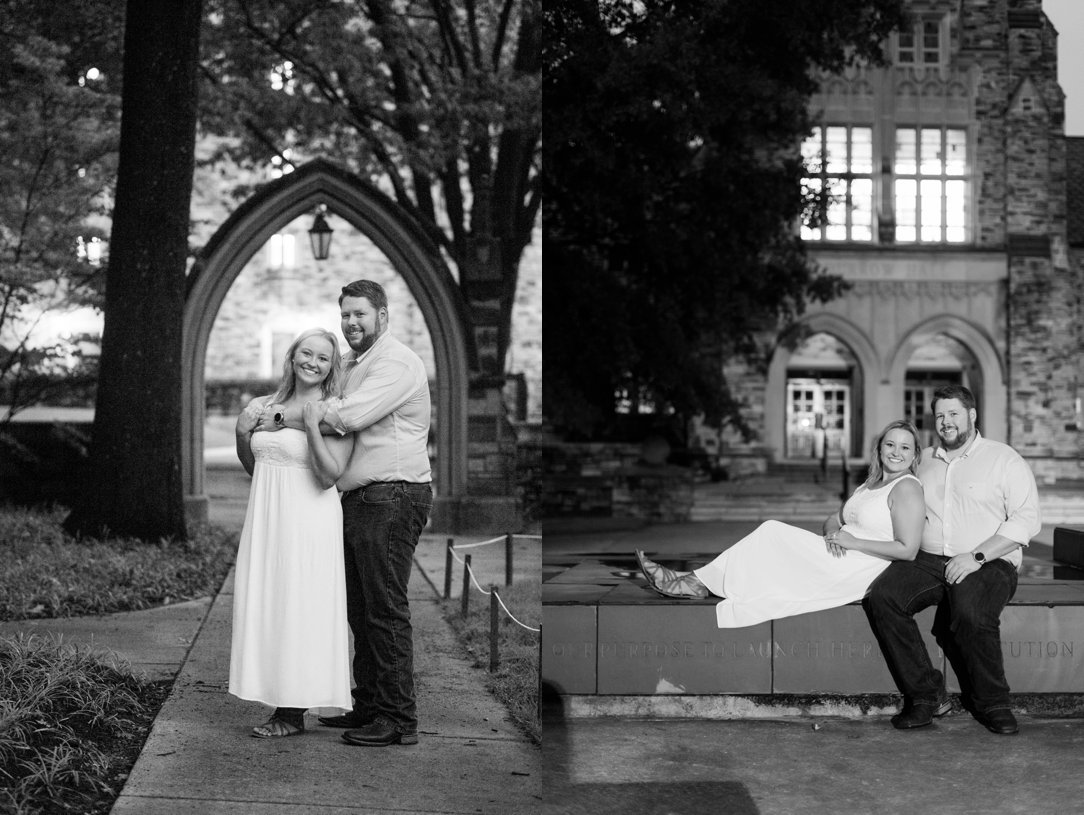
(409, 250)
(937, 360)
(831, 371)
(948, 349)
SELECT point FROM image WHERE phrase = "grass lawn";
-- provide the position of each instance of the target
(515, 682)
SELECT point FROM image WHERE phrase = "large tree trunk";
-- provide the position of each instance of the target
(134, 484)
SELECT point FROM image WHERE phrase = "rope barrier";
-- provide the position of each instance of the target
(494, 540)
(482, 543)
(468, 570)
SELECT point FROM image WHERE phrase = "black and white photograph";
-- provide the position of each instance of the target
(813, 500)
(270, 405)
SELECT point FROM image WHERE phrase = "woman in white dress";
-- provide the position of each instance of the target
(290, 644)
(779, 570)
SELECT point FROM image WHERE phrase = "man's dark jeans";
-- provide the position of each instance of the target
(967, 626)
(381, 526)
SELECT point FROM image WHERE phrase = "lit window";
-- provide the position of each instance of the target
(282, 78)
(281, 252)
(634, 400)
(90, 251)
(931, 186)
(839, 160)
(920, 45)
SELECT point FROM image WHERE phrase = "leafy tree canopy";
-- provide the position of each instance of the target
(59, 130)
(435, 100)
(672, 186)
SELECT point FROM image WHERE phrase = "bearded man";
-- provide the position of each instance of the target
(982, 508)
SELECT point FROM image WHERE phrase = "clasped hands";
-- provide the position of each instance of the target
(960, 566)
(838, 542)
(253, 418)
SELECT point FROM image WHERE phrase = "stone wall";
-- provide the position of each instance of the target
(612, 480)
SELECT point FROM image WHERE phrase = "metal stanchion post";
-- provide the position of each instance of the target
(448, 569)
(508, 559)
(494, 621)
(466, 585)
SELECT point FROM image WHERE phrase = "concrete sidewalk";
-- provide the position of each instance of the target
(818, 766)
(603, 759)
(200, 758)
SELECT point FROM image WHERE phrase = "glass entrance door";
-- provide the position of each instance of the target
(818, 417)
(918, 397)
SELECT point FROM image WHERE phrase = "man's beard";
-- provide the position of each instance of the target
(963, 436)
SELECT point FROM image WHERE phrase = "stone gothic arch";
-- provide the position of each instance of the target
(993, 419)
(410, 251)
(845, 331)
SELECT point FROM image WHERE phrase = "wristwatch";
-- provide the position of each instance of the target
(279, 419)
(980, 558)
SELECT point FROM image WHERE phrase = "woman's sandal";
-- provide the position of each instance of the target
(669, 583)
(276, 728)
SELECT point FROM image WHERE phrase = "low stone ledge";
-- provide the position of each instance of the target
(605, 634)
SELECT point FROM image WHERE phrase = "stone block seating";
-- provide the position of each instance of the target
(605, 633)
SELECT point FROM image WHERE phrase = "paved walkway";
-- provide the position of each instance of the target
(847, 764)
(199, 757)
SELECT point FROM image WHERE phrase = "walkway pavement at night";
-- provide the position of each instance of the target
(846, 764)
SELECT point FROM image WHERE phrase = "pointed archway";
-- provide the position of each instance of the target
(409, 250)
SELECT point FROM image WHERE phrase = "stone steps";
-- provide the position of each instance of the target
(712, 503)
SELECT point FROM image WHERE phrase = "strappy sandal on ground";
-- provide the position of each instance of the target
(276, 728)
(669, 583)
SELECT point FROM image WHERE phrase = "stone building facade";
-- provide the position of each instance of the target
(950, 222)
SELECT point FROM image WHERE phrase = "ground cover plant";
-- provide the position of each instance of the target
(47, 573)
(71, 725)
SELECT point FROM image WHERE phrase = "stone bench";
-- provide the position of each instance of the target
(605, 633)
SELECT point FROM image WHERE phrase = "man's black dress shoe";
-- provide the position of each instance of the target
(1000, 721)
(350, 719)
(378, 734)
(918, 715)
(944, 705)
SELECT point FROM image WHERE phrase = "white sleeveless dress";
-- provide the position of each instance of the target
(290, 637)
(779, 570)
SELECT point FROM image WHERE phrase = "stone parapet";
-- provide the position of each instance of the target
(605, 634)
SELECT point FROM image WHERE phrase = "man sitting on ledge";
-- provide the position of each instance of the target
(982, 507)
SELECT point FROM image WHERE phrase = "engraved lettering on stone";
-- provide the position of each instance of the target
(1037, 649)
(573, 650)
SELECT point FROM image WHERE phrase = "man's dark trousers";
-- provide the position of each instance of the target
(381, 526)
(968, 628)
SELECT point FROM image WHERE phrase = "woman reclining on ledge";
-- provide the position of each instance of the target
(779, 570)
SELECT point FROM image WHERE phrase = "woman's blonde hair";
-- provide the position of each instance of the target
(876, 469)
(332, 384)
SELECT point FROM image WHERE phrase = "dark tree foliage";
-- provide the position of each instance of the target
(134, 483)
(672, 186)
(58, 141)
(434, 100)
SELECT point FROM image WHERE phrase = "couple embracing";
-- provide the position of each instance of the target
(939, 527)
(340, 494)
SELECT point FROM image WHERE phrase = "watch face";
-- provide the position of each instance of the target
(980, 557)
